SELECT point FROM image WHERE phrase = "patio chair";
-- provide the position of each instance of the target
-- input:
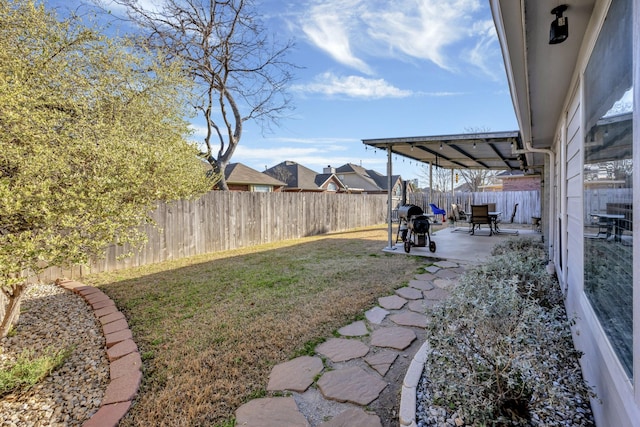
(458, 214)
(437, 211)
(480, 216)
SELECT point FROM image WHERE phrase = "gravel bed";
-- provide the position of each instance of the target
(52, 316)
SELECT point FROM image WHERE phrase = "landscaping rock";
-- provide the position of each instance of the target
(356, 329)
(394, 337)
(392, 302)
(354, 417)
(340, 349)
(381, 361)
(376, 315)
(409, 293)
(351, 384)
(270, 412)
(295, 375)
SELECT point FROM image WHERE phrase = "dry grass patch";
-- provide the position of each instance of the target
(211, 328)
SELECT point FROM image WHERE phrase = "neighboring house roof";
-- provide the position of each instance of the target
(294, 175)
(355, 176)
(237, 173)
(324, 179)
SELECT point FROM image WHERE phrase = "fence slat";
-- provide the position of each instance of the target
(222, 220)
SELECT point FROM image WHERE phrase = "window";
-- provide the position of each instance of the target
(332, 186)
(608, 169)
(258, 188)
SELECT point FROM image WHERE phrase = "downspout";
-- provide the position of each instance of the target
(528, 148)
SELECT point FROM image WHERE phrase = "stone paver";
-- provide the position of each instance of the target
(102, 304)
(352, 384)
(121, 349)
(270, 412)
(122, 389)
(376, 315)
(409, 319)
(96, 297)
(295, 375)
(425, 277)
(356, 329)
(108, 415)
(446, 274)
(392, 302)
(116, 337)
(381, 361)
(340, 349)
(126, 365)
(112, 317)
(116, 326)
(409, 293)
(436, 294)
(106, 310)
(447, 284)
(423, 285)
(445, 264)
(397, 337)
(355, 383)
(420, 305)
(432, 269)
(353, 417)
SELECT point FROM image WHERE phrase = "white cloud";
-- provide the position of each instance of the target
(352, 86)
(485, 54)
(351, 30)
(330, 26)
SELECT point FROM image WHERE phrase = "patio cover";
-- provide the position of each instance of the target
(490, 150)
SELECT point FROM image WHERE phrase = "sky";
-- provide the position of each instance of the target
(377, 69)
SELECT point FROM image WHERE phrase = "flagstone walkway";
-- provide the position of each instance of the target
(354, 378)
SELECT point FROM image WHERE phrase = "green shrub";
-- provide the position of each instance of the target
(501, 344)
(29, 370)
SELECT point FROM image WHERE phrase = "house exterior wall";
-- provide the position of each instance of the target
(617, 401)
(525, 183)
(238, 187)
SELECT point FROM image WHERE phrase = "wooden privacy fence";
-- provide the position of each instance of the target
(528, 202)
(223, 220)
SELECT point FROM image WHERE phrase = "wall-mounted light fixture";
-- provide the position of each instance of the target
(560, 26)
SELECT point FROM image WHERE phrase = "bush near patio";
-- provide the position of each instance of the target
(501, 347)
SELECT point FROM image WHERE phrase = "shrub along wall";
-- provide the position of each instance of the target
(222, 220)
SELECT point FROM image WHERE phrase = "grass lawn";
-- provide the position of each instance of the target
(210, 328)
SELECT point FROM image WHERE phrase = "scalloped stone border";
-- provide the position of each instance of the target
(410, 385)
(122, 352)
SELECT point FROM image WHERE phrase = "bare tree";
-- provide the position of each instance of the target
(476, 178)
(439, 180)
(240, 72)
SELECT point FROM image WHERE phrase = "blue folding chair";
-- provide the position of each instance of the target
(437, 211)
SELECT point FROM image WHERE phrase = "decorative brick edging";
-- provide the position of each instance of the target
(410, 385)
(122, 353)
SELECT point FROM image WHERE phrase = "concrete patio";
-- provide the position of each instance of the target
(456, 244)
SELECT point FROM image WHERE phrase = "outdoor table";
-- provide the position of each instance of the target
(493, 215)
(611, 222)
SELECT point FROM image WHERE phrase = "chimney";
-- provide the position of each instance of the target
(329, 169)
